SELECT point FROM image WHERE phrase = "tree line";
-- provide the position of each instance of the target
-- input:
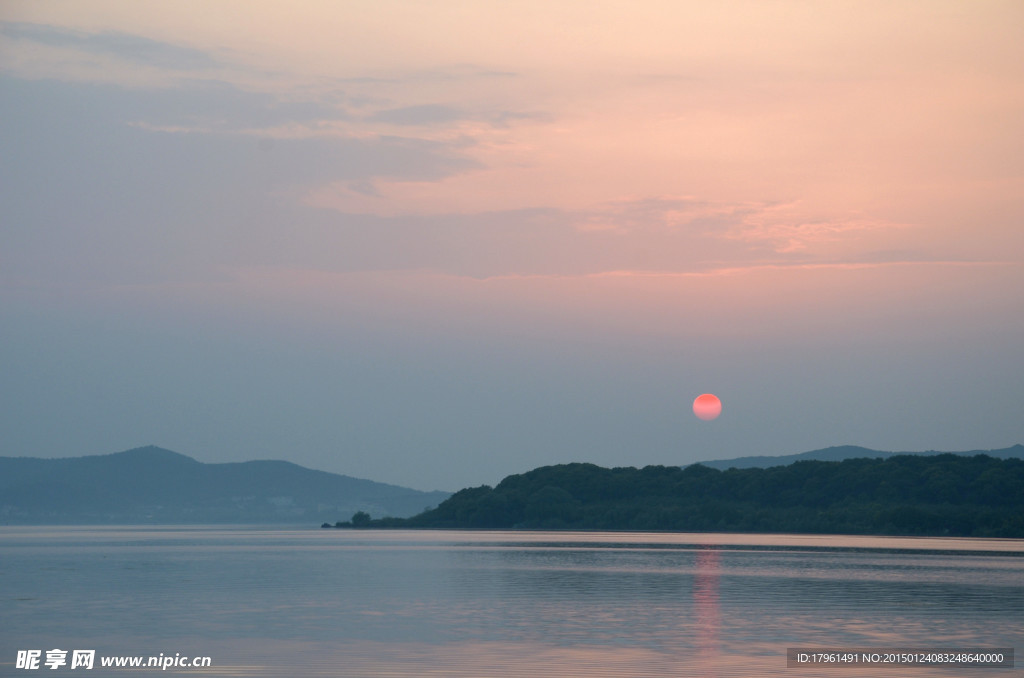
(944, 494)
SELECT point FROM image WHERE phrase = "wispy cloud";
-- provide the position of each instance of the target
(790, 228)
(753, 267)
(439, 114)
(452, 73)
(661, 214)
(427, 114)
(124, 46)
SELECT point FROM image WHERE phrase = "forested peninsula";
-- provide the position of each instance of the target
(941, 495)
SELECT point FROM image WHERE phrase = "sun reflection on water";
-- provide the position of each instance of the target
(709, 614)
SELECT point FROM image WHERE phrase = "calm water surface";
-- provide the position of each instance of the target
(311, 602)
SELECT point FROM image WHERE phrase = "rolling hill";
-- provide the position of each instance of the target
(843, 452)
(154, 485)
(917, 495)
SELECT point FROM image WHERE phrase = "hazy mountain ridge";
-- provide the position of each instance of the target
(843, 452)
(155, 485)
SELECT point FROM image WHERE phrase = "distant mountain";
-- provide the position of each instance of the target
(154, 485)
(842, 452)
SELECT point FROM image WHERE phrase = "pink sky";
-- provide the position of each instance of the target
(776, 187)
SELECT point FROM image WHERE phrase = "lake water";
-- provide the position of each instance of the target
(312, 602)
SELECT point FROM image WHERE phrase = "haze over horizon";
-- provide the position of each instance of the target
(437, 244)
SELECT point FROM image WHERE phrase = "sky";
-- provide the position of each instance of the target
(435, 244)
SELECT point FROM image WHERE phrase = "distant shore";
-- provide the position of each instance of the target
(944, 495)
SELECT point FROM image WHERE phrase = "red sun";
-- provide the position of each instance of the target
(707, 406)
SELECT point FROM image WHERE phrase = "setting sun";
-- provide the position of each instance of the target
(707, 406)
